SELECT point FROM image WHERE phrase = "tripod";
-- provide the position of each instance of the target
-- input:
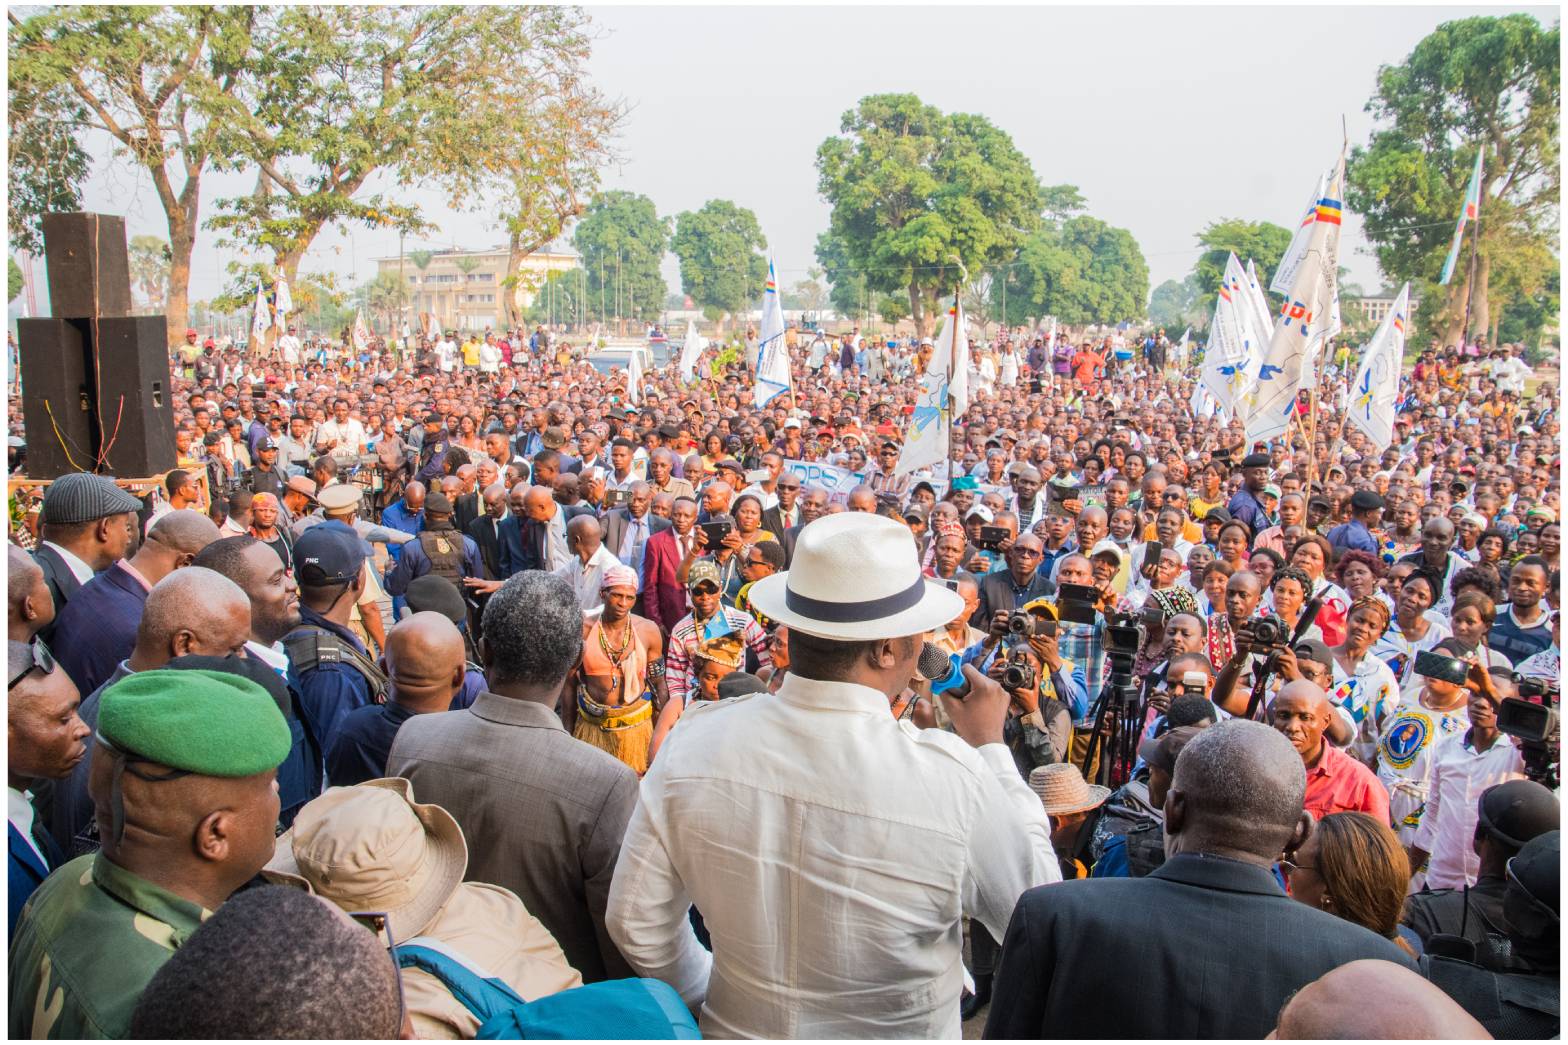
(1118, 717)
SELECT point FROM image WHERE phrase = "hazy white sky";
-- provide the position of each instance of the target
(1164, 117)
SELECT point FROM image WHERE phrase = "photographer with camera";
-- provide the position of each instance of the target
(1463, 766)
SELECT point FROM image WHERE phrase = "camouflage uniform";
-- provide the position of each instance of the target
(88, 942)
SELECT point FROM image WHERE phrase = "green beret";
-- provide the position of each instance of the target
(207, 722)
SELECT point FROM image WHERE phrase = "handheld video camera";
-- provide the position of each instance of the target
(1536, 725)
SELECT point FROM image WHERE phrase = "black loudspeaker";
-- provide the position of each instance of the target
(81, 404)
(89, 270)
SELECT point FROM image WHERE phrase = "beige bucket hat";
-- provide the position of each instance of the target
(371, 847)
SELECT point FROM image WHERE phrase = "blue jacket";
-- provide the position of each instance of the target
(27, 871)
(1353, 534)
(415, 563)
(328, 692)
(396, 516)
(97, 628)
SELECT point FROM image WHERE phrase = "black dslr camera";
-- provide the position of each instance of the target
(1017, 672)
(1266, 634)
(1024, 625)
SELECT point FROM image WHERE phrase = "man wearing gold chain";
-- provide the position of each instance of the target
(620, 682)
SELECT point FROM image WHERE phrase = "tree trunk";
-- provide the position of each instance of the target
(1497, 321)
(509, 285)
(1454, 313)
(176, 311)
(917, 310)
(1480, 307)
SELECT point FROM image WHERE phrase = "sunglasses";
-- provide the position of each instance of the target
(32, 655)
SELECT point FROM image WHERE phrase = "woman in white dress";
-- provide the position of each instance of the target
(1009, 366)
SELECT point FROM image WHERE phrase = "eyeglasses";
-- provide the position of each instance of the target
(1289, 868)
(32, 655)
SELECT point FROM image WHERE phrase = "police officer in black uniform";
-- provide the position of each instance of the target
(440, 548)
(1468, 923)
(266, 475)
(432, 452)
(1525, 1003)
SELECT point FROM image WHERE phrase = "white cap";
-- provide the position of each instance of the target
(1108, 547)
(982, 511)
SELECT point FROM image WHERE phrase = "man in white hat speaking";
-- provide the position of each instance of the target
(832, 850)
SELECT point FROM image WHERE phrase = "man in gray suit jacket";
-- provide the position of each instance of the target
(618, 521)
(543, 812)
(1211, 928)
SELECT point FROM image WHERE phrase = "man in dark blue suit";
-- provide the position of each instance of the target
(510, 534)
(45, 739)
(97, 628)
(1211, 929)
(543, 528)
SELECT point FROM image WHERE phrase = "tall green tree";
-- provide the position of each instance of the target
(622, 241)
(149, 263)
(1080, 270)
(14, 280)
(720, 248)
(160, 81)
(1174, 304)
(1491, 83)
(920, 198)
(450, 97)
(1262, 242)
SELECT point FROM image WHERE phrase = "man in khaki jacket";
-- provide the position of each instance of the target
(371, 847)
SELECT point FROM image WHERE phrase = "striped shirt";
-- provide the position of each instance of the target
(680, 675)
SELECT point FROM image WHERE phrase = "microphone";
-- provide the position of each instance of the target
(1309, 614)
(944, 672)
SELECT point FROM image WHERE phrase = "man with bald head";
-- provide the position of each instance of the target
(30, 606)
(543, 528)
(426, 664)
(862, 499)
(716, 497)
(97, 628)
(485, 531)
(1437, 557)
(1336, 783)
(191, 611)
(1233, 807)
(584, 571)
(628, 528)
(1003, 591)
(1407, 1006)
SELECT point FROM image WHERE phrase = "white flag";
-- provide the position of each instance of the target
(261, 321)
(1230, 360)
(691, 351)
(1376, 387)
(1179, 355)
(1305, 320)
(359, 336)
(1286, 272)
(773, 375)
(1262, 311)
(634, 379)
(284, 303)
(942, 399)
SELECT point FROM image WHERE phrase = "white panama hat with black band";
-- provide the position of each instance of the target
(855, 577)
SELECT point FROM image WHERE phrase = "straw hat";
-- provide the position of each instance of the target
(1062, 789)
(855, 577)
(371, 847)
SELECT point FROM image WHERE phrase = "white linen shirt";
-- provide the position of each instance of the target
(1458, 776)
(833, 853)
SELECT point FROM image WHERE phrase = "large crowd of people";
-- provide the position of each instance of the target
(464, 668)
